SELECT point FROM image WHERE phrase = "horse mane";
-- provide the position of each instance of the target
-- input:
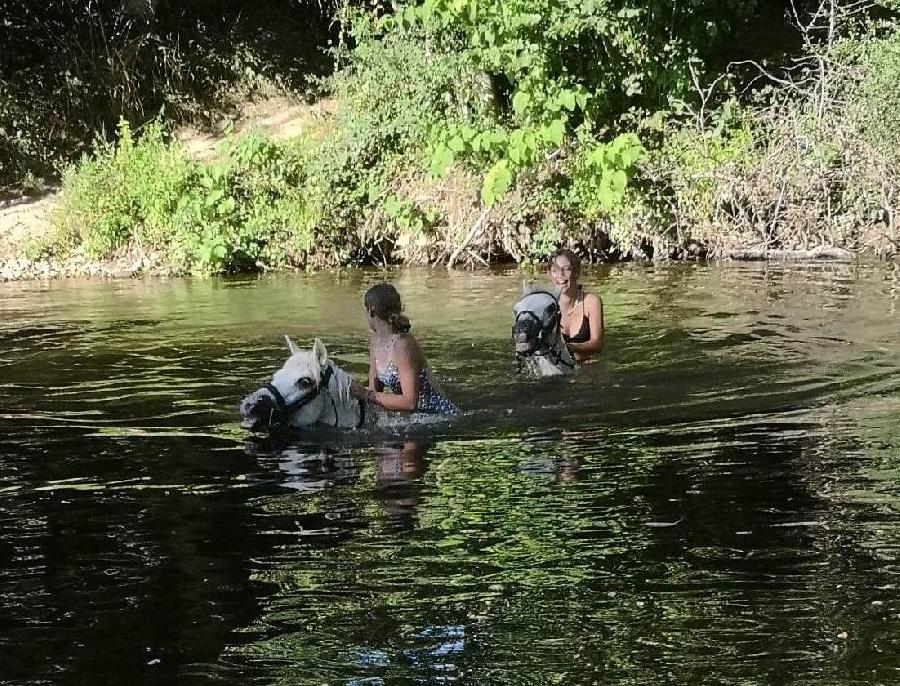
(342, 381)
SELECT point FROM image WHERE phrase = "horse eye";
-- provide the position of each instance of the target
(303, 383)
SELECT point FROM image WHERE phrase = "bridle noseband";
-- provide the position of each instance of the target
(287, 409)
(546, 347)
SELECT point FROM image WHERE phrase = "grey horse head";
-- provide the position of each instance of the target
(308, 389)
(536, 333)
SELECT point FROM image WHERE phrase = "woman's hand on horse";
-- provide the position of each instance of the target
(358, 391)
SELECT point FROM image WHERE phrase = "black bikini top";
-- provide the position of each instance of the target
(583, 335)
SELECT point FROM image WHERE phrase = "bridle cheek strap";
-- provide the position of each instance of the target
(289, 408)
(545, 347)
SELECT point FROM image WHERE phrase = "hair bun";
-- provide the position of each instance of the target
(399, 322)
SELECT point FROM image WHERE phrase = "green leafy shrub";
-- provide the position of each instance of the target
(393, 90)
(244, 210)
(561, 66)
(874, 99)
(124, 192)
(602, 173)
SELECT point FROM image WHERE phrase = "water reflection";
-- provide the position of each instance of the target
(398, 480)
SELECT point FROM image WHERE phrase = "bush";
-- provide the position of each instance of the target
(245, 210)
(392, 91)
(874, 99)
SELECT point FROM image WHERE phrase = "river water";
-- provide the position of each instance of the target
(716, 500)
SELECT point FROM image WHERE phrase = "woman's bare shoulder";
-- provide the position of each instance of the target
(408, 346)
(592, 300)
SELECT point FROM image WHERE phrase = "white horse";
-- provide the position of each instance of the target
(308, 389)
(537, 336)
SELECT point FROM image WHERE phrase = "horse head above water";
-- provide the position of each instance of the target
(308, 389)
(537, 336)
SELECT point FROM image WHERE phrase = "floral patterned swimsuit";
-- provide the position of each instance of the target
(431, 401)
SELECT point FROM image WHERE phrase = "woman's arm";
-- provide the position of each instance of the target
(374, 383)
(359, 391)
(593, 310)
(409, 365)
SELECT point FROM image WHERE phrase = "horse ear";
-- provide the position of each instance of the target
(319, 352)
(527, 287)
(291, 345)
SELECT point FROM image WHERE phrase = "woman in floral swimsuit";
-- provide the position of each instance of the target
(396, 361)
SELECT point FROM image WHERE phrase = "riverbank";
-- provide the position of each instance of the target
(269, 189)
(488, 155)
(27, 220)
(26, 217)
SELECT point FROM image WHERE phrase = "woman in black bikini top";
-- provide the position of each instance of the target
(586, 339)
(583, 335)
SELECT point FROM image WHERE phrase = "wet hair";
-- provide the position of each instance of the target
(574, 260)
(383, 301)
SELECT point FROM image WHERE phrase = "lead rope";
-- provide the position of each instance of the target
(558, 353)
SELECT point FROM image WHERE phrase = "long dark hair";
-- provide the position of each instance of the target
(383, 301)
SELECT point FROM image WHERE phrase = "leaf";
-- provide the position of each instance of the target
(520, 102)
(391, 206)
(227, 206)
(456, 144)
(410, 15)
(467, 133)
(619, 181)
(496, 182)
(554, 132)
(496, 138)
(581, 97)
(214, 196)
(567, 99)
(518, 150)
(441, 160)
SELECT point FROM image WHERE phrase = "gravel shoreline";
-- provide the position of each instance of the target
(23, 269)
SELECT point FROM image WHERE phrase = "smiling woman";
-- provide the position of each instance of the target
(581, 313)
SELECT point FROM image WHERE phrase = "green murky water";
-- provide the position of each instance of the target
(717, 500)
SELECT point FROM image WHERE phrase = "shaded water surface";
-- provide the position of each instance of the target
(716, 501)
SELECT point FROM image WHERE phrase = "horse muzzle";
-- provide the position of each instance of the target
(256, 411)
(526, 337)
(525, 347)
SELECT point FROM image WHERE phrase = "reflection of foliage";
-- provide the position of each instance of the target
(494, 538)
(609, 555)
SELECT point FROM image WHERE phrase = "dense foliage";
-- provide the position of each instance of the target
(460, 127)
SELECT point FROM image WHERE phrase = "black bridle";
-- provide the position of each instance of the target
(286, 409)
(548, 335)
